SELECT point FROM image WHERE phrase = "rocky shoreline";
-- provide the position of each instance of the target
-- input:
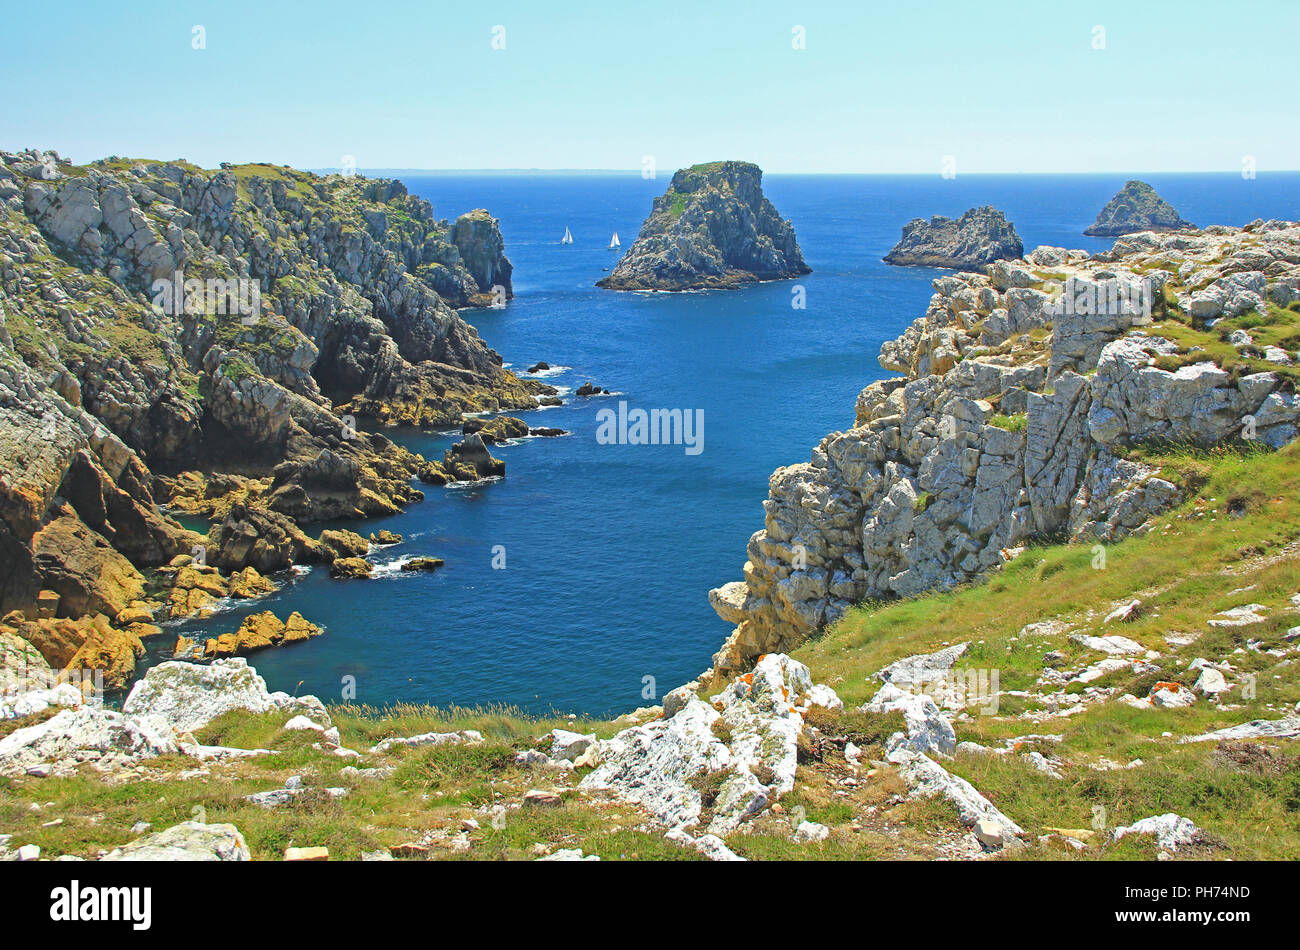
(1022, 390)
(213, 343)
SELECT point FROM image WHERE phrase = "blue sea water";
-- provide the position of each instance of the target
(610, 550)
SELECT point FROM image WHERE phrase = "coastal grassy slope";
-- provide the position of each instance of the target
(1235, 541)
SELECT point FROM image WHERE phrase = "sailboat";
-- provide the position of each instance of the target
(613, 242)
(568, 238)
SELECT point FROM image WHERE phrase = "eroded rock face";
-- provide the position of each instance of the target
(159, 321)
(1023, 390)
(979, 237)
(187, 696)
(712, 228)
(729, 759)
(85, 734)
(477, 237)
(1136, 207)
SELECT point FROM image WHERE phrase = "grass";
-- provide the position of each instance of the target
(1012, 423)
(1225, 547)
(1278, 326)
(1234, 541)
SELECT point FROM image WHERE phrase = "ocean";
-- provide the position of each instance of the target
(609, 550)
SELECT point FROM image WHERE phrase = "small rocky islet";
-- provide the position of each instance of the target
(1136, 207)
(712, 229)
(977, 238)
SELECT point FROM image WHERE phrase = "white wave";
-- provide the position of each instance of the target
(544, 373)
(464, 486)
(390, 567)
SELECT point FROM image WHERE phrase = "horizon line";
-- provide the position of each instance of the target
(828, 174)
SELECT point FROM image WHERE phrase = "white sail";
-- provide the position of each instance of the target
(568, 238)
(613, 242)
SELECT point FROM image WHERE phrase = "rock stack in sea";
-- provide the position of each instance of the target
(1136, 207)
(477, 237)
(1021, 390)
(712, 228)
(979, 237)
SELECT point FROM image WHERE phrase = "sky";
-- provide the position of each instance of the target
(877, 87)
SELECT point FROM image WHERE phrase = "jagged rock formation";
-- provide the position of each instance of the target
(747, 741)
(1136, 207)
(260, 632)
(1012, 421)
(979, 237)
(478, 240)
(212, 339)
(712, 228)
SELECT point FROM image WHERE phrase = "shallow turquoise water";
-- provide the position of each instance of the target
(611, 549)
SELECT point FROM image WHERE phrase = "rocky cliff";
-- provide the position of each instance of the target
(482, 251)
(1136, 207)
(214, 341)
(979, 237)
(1023, 392)
(712, 228)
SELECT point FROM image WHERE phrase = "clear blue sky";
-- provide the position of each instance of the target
(881, 87)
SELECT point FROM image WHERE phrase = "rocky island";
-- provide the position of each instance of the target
(979, 237)
(1136, 207)
(211, 343)
(712, 228)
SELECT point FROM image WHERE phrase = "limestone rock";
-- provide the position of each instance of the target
(428, 738)
(928, 730)
(745, 749)
(1171, 831)
(188, 841)
(1168, 695)
(1286, 728)
(84, 734)
(187, 696)
(569, 745)
(928, 779)
(810, 831)
(1024, 388)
